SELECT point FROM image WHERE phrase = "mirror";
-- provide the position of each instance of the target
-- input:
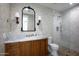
(28, 19)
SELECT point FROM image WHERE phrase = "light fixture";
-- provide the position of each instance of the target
(39, 20)
(17, 17)
(26, 9)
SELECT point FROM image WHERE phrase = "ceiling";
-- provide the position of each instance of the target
(60, 7)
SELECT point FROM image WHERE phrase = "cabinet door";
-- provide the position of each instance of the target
(44, 47)
(40, 47)
(25, 48)
(36, 48)
(12, 49)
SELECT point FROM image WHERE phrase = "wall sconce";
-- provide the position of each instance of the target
(17, 17)
(39, 20)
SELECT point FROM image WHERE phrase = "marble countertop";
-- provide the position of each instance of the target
(25, 39)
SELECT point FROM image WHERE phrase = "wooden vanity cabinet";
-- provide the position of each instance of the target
(27, 48)
(12, 49)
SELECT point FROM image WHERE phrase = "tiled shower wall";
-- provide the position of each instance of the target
(70, 29)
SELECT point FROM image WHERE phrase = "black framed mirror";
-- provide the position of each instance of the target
(28, 19)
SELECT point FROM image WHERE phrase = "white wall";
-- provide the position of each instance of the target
(4, 26)
(70, 34)
(4, 16)
(45, 13)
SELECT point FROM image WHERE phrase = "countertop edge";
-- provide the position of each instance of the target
(21, 40)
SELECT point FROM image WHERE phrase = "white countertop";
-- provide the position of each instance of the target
(25, 39)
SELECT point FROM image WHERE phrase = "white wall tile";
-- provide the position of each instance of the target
(71, 28)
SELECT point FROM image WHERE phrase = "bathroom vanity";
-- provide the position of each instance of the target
(37, 47)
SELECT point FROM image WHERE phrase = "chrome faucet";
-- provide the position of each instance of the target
(30, 35)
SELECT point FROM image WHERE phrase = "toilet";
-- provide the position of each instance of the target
(52, 47)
